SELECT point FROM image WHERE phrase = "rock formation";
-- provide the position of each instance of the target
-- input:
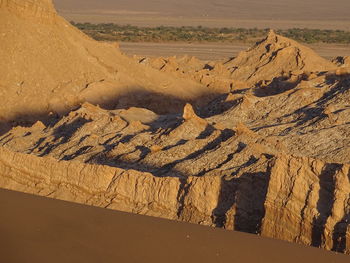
(296, 199)
(342, 61)
(274, 57)
(43, 56)
(269, 156)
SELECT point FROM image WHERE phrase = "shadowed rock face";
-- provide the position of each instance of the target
(185, 168)
(282, 197)
(342, 61)
(269, 157)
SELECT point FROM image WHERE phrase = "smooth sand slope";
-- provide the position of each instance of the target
(47, 65)
(35, 229)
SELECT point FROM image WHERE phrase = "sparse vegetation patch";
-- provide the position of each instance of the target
(129, 33)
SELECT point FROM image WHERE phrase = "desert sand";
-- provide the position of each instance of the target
(214, 51)
(257, 142)
(81, 68)
(35, 229)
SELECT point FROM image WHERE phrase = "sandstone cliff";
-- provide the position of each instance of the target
(184, 168)
(296, 199)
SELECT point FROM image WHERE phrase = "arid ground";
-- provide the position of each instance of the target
(276, 14)
(214, 51)
(237, 13)
(256, 141)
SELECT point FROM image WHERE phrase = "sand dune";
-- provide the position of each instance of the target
(40, 229)
(83, 69)
(45, 230)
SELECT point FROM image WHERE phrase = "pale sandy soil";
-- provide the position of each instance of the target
(202, 51)
(45, 230)
(214, 51)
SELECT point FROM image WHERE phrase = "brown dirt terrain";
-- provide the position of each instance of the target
(37, 228)
(237, 13)
(257, 143)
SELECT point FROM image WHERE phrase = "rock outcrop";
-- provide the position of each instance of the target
(273, 57)
(295, 199)
(342, 61)
(187, 168)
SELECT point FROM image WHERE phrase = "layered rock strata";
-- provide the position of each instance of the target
(296, 199)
